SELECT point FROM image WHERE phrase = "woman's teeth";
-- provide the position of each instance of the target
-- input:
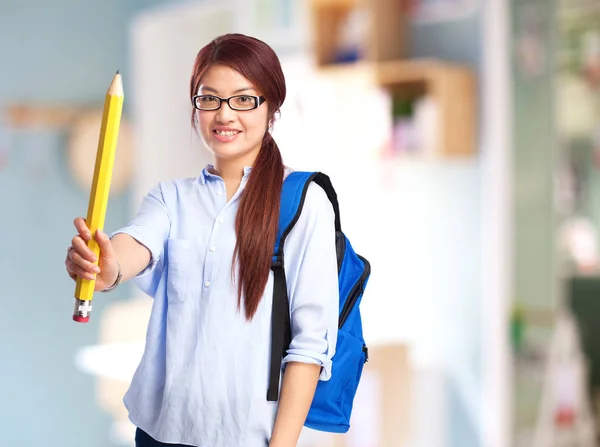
(227, 133)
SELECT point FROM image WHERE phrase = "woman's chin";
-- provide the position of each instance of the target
(227, 152)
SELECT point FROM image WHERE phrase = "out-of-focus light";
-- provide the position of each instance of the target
(112, 360)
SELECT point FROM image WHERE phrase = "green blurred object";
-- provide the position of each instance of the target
(402, 107)
(517, 327)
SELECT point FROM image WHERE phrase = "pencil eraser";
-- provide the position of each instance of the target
(81, 319)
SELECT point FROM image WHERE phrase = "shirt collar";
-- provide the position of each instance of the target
(208, 176)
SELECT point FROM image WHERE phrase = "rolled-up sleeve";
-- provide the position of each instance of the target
(312, 278)
(150, 227)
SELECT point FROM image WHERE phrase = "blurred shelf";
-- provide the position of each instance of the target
(384, 62)
(384, 21)
(416, 70)
(539, 316)
(17, 116)
(334, 3)
(351, 70)
(451, 86)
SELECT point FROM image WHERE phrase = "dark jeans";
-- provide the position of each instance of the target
(143, 439)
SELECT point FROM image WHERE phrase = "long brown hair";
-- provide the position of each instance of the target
(258, 213)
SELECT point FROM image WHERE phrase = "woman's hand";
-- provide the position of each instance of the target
(81, 261)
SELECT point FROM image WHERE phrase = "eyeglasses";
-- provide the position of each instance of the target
(240, 102)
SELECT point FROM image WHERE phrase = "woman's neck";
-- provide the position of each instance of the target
(232, 174)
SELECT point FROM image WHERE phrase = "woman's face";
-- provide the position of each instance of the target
(231, 134)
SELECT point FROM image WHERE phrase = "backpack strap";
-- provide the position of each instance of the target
(293, 194)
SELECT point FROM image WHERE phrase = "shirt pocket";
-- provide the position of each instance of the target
(179, 261)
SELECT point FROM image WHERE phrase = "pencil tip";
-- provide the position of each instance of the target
(117, 71)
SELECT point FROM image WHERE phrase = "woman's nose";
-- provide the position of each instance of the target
(225, 113)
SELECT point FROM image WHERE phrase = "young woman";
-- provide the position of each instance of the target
(202, 248)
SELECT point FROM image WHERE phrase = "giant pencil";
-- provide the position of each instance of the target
(105, 159)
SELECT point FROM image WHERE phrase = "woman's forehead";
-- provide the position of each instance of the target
(220, 79)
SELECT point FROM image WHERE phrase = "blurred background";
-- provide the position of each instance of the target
(462, 136)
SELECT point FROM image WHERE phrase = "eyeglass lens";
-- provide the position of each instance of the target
(242, 102)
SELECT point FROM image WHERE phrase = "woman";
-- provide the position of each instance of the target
(202, 248)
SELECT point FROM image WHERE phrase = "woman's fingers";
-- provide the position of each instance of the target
(76, 270)
(80, 261)
(81, 248)
(106, 249)
(82, 228)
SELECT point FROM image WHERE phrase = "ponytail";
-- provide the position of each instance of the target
(256, 225)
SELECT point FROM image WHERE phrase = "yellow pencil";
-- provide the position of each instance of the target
(105, 158)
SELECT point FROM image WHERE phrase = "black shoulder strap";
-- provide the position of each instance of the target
(281, 334)
(325, 182)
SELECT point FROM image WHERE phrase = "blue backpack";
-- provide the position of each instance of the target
(332, 404)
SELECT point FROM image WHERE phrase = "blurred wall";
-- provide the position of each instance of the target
(535, 152)
(460, 41)
(536, 262)
(60, 52)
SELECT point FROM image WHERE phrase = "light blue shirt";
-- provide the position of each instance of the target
(203, 377)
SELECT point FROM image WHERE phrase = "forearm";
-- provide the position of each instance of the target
(297, 392)
(133, 257)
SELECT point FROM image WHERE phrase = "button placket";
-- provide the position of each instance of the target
(218, 188)
(211, 260)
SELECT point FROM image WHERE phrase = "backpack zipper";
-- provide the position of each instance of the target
(355, 292)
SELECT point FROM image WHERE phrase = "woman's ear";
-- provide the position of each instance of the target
(274, 118)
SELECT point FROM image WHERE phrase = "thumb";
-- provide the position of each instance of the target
(106, 249)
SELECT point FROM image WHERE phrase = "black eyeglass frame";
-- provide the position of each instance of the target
(258, 101)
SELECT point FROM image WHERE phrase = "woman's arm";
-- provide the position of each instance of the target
(297, 391)
(312, 280)
(132, 256)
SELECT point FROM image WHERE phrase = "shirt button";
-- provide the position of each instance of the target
(213, 248)
(220, 220)
(207, 283)
(219, 193)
